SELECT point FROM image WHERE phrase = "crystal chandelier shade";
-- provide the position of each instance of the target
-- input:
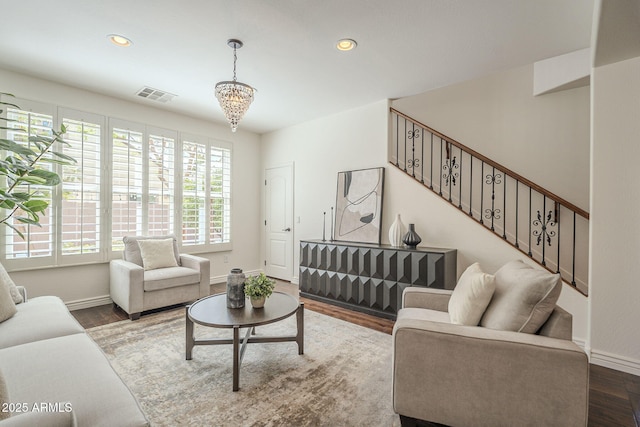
(234, 97)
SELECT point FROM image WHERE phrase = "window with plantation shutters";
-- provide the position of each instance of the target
(38, 241)
(81, 188)
(206, 192)
(194, 192)
(126, 185)
(161, 176)
(129, 179)
(220, 195)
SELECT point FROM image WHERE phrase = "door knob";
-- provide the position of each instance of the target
(286, 229)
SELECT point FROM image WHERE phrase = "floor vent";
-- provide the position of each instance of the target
(155, 94)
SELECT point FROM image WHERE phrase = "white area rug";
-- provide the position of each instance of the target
(343, 379)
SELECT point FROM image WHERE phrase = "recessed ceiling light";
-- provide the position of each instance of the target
(119, 40)
(346, 44)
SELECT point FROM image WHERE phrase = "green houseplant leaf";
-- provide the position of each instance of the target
(259, 286)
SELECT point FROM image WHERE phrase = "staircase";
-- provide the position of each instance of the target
(548, 229)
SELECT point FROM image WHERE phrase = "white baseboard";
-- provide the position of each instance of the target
(295, 280)
(617, 362)
(88, 302)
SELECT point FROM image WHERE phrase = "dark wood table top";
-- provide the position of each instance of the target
(213, 311)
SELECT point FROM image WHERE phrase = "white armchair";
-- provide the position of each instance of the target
(474, 376)
(136, 288)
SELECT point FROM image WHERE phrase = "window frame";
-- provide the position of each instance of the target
(64, 260)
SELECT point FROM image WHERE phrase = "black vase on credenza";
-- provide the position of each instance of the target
(411, 239)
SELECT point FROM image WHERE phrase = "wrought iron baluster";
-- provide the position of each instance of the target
(460, 187)
(517, 208)
(440, 167)
(573, 260)
(482, 193)
(451, 162)
(545, 222)
(397, 140)
(530, 207)
(493, 213)
(504, 208)
(557, 210)
(405, 145)
(431, 164)
(413, 162)
(422, 157)
(471, 187)
(449, 168)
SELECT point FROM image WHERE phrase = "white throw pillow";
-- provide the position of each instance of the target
(7, 306)
(157, 253)
(13, 290)
(471, 296)
(523, 300)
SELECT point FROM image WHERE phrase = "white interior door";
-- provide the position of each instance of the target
(279, 222)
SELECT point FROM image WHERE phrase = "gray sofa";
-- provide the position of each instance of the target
(474, 376)
(56, 375)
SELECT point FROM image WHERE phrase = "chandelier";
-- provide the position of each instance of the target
(234, 97)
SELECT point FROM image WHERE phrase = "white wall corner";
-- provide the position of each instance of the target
(562, 72)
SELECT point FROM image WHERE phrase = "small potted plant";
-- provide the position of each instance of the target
(258, 289)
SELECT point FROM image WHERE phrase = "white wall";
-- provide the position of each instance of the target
(82, 285)
(615, 228)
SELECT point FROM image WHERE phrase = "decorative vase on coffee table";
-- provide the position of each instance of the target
(258, 302)
(411, 239)
(235, 288)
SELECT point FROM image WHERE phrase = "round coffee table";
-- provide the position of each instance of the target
(212, 311)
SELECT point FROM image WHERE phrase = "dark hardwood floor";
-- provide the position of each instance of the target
(614, 396)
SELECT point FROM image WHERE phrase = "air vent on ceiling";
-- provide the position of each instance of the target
(155, 94)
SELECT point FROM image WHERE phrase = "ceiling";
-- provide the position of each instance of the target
(405, 47)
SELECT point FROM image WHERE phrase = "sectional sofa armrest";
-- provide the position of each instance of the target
(429, 298)
(203, 266)
(502, 377)
(49, 419)
(23, 292)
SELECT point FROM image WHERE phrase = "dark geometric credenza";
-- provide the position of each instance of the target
(371, 278)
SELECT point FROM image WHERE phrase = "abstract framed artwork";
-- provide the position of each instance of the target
(359, 205)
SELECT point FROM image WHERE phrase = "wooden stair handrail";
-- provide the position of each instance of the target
(497, 165)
